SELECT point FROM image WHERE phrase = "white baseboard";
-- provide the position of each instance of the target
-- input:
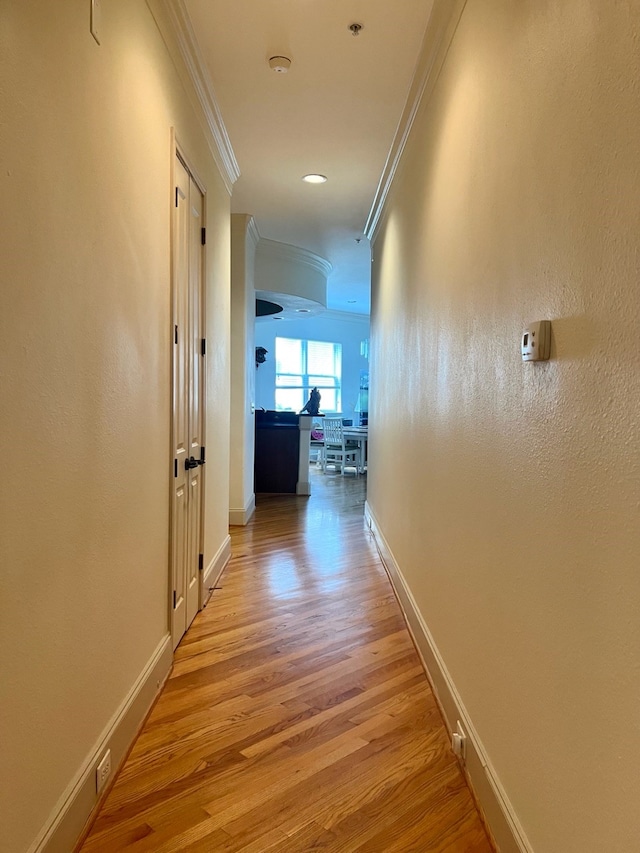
(77, 804)
(498, 812)
(241, 517)
(211, 574)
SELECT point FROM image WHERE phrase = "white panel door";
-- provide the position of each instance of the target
(187, 378)
(195, 356)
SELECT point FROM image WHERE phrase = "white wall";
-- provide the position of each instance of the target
(334, 326)
(508, 493)
(244, 237)
(85, 148)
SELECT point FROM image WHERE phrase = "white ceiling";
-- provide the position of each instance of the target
(335, 112)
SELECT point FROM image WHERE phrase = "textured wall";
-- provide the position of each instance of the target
(85, 164)
(509, 492)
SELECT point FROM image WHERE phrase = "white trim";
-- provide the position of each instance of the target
(214, 570)
(240, 517)
(499, 813)
(187, 162)
(303, 486)
(79, 801)
(439, 34)
(253, 235)
(172, 20)
(296, 254)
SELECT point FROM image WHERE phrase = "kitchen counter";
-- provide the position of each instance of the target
(282, 453)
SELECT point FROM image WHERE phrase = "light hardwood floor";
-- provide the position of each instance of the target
(297, 716)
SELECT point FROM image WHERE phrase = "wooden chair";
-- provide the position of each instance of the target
(338, 451)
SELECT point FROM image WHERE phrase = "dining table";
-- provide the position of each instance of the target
(361, 435)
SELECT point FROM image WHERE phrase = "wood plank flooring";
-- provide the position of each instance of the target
(297, 716)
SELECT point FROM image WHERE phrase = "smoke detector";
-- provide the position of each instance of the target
(280, 64)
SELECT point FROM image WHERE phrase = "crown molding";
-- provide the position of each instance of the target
(173, 22)
(443, 23)
(253, 234)
(286, 252)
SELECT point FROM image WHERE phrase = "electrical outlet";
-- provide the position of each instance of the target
(459, 742)
(103, 771)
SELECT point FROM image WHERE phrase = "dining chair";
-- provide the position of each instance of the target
(317, 443)
(337, 450)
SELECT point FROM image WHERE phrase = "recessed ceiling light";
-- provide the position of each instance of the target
(315, 179)
(277, 318)
(303, 311)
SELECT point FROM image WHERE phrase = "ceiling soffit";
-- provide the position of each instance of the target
(295, 278)
(294, 255)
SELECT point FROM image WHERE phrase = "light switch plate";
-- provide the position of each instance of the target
(536, 341)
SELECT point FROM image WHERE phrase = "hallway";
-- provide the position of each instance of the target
(297, 716)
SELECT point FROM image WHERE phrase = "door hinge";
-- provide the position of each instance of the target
(175, 467)
(202, 459)
(203, 347)
(203, 236)
(176, 196)
(174, 599)
(201, 562)
(175, 334)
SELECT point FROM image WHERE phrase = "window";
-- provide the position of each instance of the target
(303, 365)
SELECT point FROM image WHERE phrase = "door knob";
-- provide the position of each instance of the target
(191, 463)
